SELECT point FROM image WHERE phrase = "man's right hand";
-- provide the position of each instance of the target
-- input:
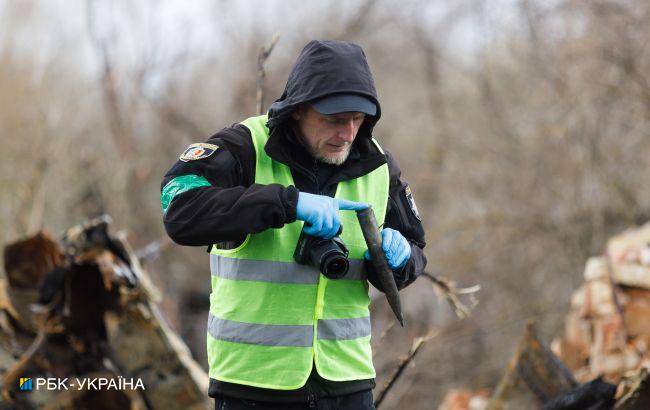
(321, 213)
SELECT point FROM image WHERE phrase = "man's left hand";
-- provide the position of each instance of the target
(396, 248)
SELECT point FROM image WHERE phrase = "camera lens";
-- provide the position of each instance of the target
(330, 256)
(334, 265)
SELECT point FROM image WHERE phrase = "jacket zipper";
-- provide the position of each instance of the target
(315, 175)
(311, 397)
(308, 173)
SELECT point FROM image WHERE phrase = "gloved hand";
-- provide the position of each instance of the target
(321, 213)
(396, 248)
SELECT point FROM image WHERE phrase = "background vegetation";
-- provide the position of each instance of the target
(522, 126)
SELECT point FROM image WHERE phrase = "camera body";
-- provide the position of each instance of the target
(330, 256)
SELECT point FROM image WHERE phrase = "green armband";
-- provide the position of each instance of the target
(179, 185)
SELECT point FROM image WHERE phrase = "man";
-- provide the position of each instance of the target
(281, 334)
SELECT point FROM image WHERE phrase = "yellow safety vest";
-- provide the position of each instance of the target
(271, 318)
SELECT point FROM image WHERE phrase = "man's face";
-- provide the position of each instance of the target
(328, 138)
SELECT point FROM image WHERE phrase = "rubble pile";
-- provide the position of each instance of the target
(607, 330)
(82, 310)
(603, 358)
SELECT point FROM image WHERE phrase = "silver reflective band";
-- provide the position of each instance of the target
(340, 329)
(287, 335)
(273, 271)
(257, 334)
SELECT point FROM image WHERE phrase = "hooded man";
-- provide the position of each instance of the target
(283, 334)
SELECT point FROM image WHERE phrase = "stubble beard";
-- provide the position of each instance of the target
(332, 159)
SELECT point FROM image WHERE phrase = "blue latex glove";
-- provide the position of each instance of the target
(396, 248)
(321, 213)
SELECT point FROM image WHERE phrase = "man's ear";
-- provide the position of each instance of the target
(298, 112)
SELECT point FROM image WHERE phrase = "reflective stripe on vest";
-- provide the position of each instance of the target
(274, 271)
(271, 318)
(287, 335)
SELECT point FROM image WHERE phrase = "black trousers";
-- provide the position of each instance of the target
(356, 401)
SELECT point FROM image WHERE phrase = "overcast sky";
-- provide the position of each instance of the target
(57, 30)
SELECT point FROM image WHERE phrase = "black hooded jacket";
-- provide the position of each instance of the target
(234, 206)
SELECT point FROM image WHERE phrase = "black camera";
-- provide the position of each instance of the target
(330, 256)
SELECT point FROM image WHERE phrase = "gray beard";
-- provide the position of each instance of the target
(334, 161)
(338, 160)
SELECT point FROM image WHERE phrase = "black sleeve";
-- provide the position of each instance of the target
(233, 205)
(402, 215)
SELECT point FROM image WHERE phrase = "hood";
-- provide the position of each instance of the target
(326, 67)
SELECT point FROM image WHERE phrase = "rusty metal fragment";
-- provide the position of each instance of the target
(372, 235)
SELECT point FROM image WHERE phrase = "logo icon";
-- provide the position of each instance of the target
(25, 383)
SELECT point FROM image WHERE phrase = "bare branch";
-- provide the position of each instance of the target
(417, 344)
(448, 289)
(264, 54)
(153, 250)
(359, 22)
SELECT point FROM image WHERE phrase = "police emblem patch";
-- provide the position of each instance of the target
(198, 151)
(411, 201)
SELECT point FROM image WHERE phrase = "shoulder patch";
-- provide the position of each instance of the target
(411, 201)
(199, 150)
